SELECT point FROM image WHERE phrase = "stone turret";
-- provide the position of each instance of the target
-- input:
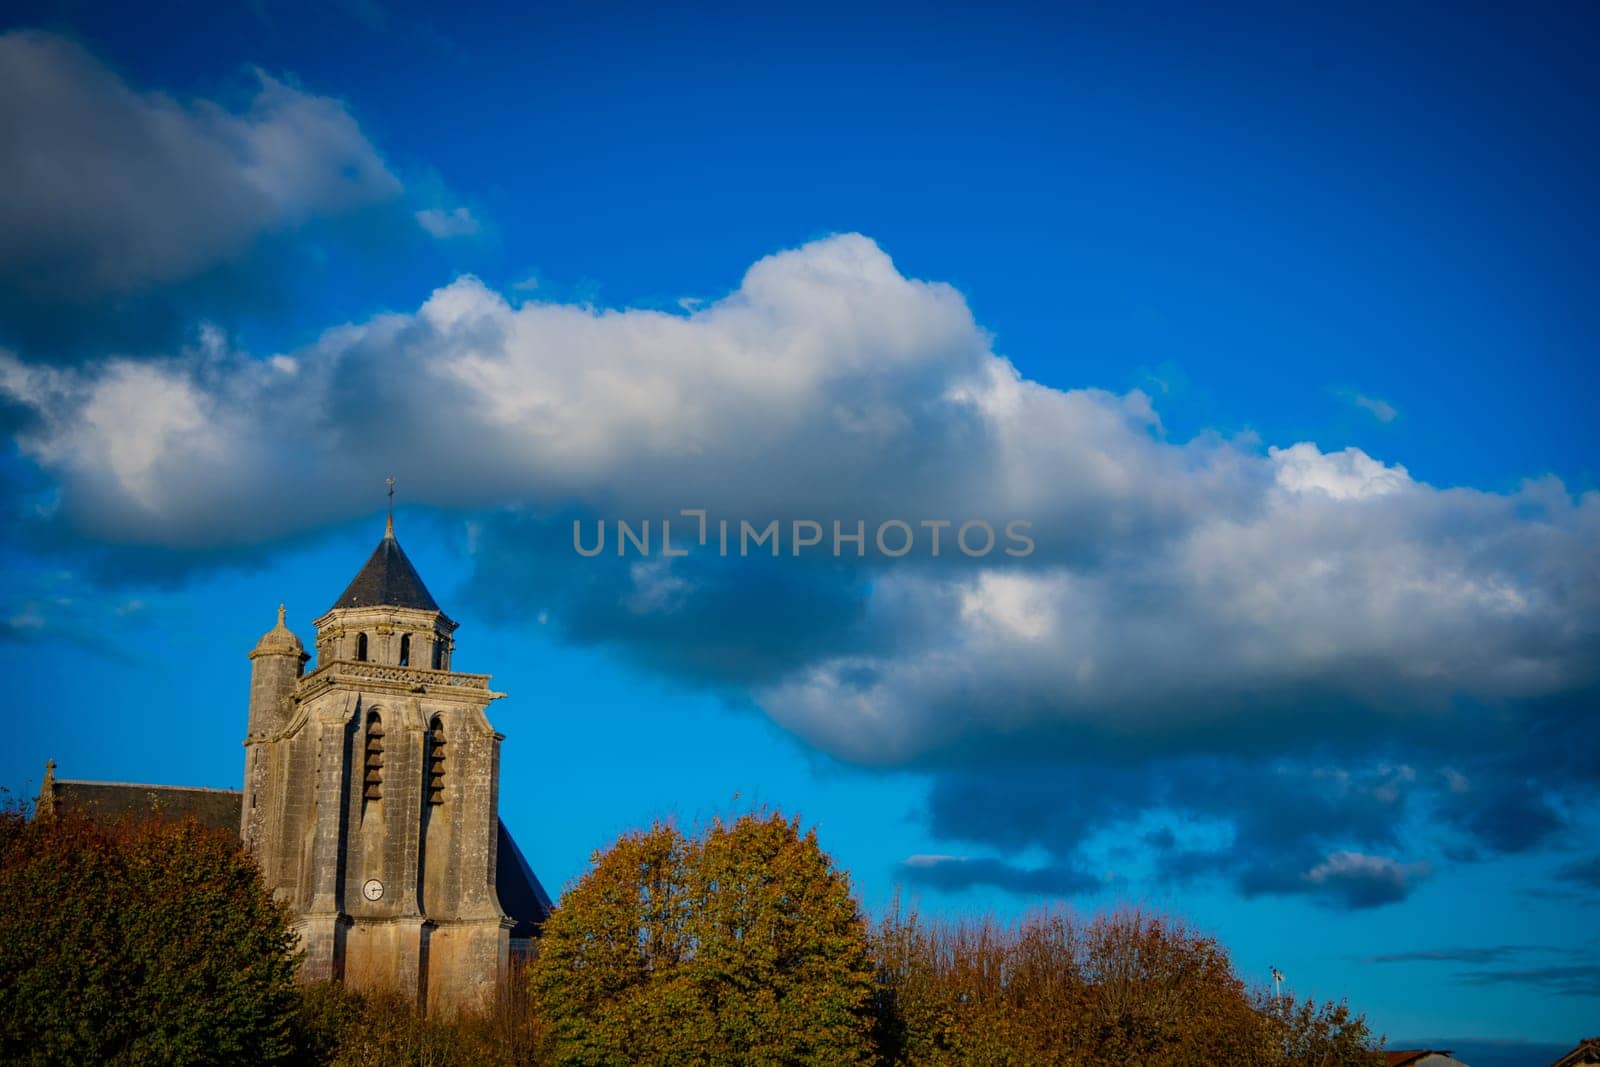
(276, 664)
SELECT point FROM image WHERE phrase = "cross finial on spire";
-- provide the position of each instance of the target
(389, 528)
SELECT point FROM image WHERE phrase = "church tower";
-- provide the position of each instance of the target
(371, 793)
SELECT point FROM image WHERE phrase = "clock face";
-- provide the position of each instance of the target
(373, 890)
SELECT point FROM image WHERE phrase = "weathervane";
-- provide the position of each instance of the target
(389, 481)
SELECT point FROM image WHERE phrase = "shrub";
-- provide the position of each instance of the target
(138, 942)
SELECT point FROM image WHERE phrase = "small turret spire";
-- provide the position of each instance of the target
(279, 640)
(45, 806)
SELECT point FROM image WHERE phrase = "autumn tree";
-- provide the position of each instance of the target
(1124, 987)
(740, 945)
(138, 942)
(1309, 1034)
(1161, 993)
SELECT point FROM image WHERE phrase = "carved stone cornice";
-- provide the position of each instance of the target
(369, 675)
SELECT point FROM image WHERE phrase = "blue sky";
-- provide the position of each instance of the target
(1277, 327)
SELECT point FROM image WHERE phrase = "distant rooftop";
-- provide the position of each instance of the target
(1588, 1051)
(1421, 1057)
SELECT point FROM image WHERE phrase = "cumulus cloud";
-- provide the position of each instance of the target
(111, 190)
(1279, 826)
(1186, 600)
(1357, 880)
(825, 363)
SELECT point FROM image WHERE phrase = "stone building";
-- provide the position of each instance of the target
(371, 797)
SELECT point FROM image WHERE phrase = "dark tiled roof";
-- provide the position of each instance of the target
(1588, 1051)
(388, 580)
(217, 808)
(521, 895)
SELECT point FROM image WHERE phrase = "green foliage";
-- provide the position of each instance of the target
(742, 945)
(138, 942)
(153, 942)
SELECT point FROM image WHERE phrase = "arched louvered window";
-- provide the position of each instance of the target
(405, 650)
(373, 783)
(361, 647)
(436, 761)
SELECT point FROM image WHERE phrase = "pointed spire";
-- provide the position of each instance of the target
(45, 806)
(387, 580)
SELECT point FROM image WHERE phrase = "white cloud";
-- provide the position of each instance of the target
(1347, 475)
(1178, 588)
(458, 222)
(1342, 865)
(1377, 407)
(924, 859)
(1019, 607)
(1360, 880)
(655, 587)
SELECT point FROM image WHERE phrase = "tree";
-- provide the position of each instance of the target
(1161, 993)
(1318, 1035)
(743, 945)
(1125, 987)
(138, 942)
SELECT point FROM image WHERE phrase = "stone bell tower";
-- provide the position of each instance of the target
(371, 793)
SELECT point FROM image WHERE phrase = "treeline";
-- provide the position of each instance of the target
(155, 943)
(1124, 987)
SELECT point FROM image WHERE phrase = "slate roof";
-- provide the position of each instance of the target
(216, 808)
(387, 580)
(521, 895)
